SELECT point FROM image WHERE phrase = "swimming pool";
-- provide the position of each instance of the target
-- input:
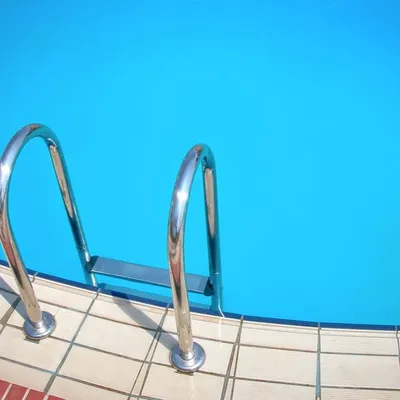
(299, 105)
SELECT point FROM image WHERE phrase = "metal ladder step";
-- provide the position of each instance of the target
(152, 275)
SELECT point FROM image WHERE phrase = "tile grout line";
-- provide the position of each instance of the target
(322, 352)
(148, 328)
(259, 346)
(318, 377)
(12, 325)
(22, 364)
(100, 351)
(21, 328)
(229, 367)
(110, 319)
(57, 371)
(110, 353)
(97, 386)
(144, 361)
(207, 373)
(370, 388)
(230, 363)
(287, 383)
(48, 302)
(208, 338)
(237, 357)
(159, 333)
(161, 364)
(358, 354)
(10, 291)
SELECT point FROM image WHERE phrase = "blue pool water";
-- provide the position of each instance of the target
(299, 101)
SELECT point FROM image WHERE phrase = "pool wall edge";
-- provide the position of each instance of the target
(227, 314)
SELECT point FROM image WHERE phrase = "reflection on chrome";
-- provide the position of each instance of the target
(38, 324)
(189, 356)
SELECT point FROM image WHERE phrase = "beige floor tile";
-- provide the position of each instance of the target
(46, 354)
(217, 353)
(67, 321)
(277, 365)
(207, 326)
(3, 267)
(360, 342)
(6, 300)
(68, 389)
(128, 312)
(63, 295)
(100, 368)
(24, 376)
(279, 336)
(355, 394)
(360, 371)
(164, 383)
(252, 390)
(115, 337)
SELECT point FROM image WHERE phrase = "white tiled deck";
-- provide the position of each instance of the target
(113, 349)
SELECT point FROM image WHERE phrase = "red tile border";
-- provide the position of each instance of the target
(3, 387)
(16, 392)
(35, 395)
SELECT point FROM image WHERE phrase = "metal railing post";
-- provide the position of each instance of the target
(39, 324)
(188, 356)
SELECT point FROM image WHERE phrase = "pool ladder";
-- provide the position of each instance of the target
(186, 356)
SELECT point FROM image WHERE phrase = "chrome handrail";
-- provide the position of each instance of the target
(188, 356)
(38, 324)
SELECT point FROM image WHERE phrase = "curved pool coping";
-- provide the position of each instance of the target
(205, 311)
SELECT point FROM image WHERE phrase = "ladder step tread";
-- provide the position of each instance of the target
(145, 274)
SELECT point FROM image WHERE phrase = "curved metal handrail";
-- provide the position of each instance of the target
(39, 324)
(189, 356)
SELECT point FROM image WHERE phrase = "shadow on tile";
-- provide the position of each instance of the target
(137, 315)
(7, 288)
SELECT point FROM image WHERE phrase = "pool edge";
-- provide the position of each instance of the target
(227, 314)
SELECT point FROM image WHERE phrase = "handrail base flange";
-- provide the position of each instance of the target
(41, 330)
(187, 366)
